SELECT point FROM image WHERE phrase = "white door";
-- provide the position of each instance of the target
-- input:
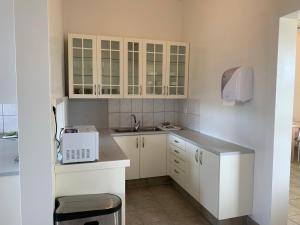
(193, 171)
(133, 73)
(153, 155)
(209, 181)
(130, 146)
(154, 69)
(177, 69)
(82, 66)
(110, 67)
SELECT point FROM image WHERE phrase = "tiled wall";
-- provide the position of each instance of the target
(151, 112)
(8, 117)
(189, 113)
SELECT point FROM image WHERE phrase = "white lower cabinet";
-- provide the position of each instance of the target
(153, 156)
(209, 167)
(130, 146)
(193, 172)
(147, 154)
(222, 183)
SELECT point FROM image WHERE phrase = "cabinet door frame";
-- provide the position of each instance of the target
(148, 168)
(209, 181)
(71, 63)
(186, 77)
(140, 94)
(164, 57)
(100, 85)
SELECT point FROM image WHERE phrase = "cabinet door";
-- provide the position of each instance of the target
(153, 155)
(130, 146)
(193, 171)
(209, 181)
(133, 77)
(82, 66)
(177, 69)
(110, 67)
(154, 69)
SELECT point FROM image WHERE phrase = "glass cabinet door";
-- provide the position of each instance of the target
(82, 66)
(154, 69)
(111, 66)
(177, 72)
(133, 68)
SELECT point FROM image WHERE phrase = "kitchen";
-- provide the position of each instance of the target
(196, 106)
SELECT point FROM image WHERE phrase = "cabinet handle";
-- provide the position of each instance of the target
(201, 157)
(176, 141)
(143, 140)
(99, 89)
(141, 90)
(176, 161)
(176, 171)
(176, 151)
(95, 87)
(197, 155)
(167, 90)
(163, 90)
(137, 142)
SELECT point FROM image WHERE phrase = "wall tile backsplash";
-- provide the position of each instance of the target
(151, 112)
(8, 117)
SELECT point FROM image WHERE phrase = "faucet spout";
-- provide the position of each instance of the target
(137, 124)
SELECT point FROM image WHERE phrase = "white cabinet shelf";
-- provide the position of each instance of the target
(110, 67)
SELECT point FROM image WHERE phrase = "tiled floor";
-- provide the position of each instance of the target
(160, 205)
(294, 203)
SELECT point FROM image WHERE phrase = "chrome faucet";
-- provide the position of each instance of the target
(137, 124)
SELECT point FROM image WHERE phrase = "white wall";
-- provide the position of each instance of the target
(296, 113)
(225, 34)
(35, 136)
(8, 90)
(56, 48)
(134, 18)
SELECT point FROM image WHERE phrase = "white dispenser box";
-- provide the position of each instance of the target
(237, 85)
(80, 144)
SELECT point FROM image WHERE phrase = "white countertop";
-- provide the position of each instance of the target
(110, 156)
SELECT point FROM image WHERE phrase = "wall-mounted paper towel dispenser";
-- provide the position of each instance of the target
(237, 85)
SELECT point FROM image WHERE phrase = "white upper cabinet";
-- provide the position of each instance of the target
(154, 69)
(177, 69)
(133, 70)
(82, 66)
(110, 67)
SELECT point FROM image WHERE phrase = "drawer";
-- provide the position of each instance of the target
(176, 161)
(178, 175)
(178, 142)
(178, 152)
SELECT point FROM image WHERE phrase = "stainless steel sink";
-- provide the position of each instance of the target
(141, 129)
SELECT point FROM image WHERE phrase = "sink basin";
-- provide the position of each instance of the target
(142, 129)
(149, 129)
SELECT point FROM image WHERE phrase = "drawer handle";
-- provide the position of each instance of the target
(176, 161)
(176, 141)
(176, 171)
(176, 151)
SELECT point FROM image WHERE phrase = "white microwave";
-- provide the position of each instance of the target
(80, 144)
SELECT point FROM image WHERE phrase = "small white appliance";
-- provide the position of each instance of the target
(80, 144)
(237, 85)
